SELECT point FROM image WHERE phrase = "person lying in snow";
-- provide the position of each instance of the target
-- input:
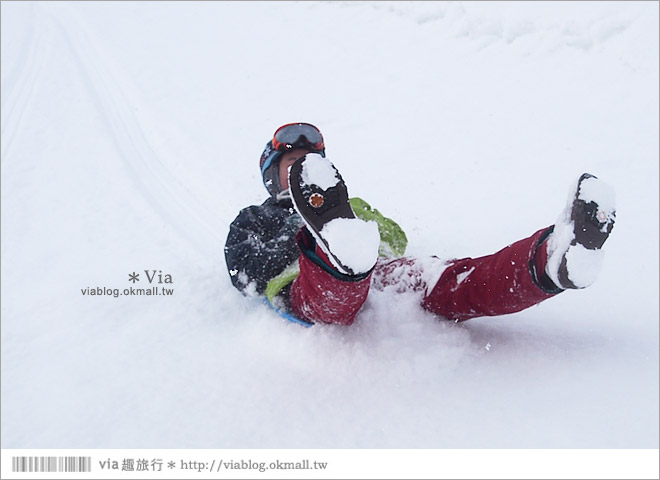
(316, 253)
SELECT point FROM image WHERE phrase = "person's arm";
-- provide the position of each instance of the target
(259, 247)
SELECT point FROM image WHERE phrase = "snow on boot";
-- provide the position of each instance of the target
(320, 196)
(574, 247)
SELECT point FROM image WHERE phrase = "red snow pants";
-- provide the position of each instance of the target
(505, 282)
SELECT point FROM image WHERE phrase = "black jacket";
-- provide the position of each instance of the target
(261, 243)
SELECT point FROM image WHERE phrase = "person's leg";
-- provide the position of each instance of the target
(565, 256)
(338, 250)
(498, 284)
(322, 294)
(504, 282)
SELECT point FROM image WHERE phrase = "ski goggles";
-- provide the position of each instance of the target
(298, 135)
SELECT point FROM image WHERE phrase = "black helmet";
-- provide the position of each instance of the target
(287, 137)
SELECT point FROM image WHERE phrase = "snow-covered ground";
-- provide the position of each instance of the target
(131, 135)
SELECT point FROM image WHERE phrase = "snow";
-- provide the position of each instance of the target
(354, 242)
(583, 265)
(460, 278)
(432, 270)
(593, 190)
(317, 170)
(131, 135)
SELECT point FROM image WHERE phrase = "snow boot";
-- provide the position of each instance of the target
(320, 196)
(574, 247)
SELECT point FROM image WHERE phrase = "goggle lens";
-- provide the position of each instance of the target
(298, 135)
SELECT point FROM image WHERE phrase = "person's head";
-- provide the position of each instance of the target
(289, 143)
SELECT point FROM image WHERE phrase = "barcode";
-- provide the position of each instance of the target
(51, 464)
